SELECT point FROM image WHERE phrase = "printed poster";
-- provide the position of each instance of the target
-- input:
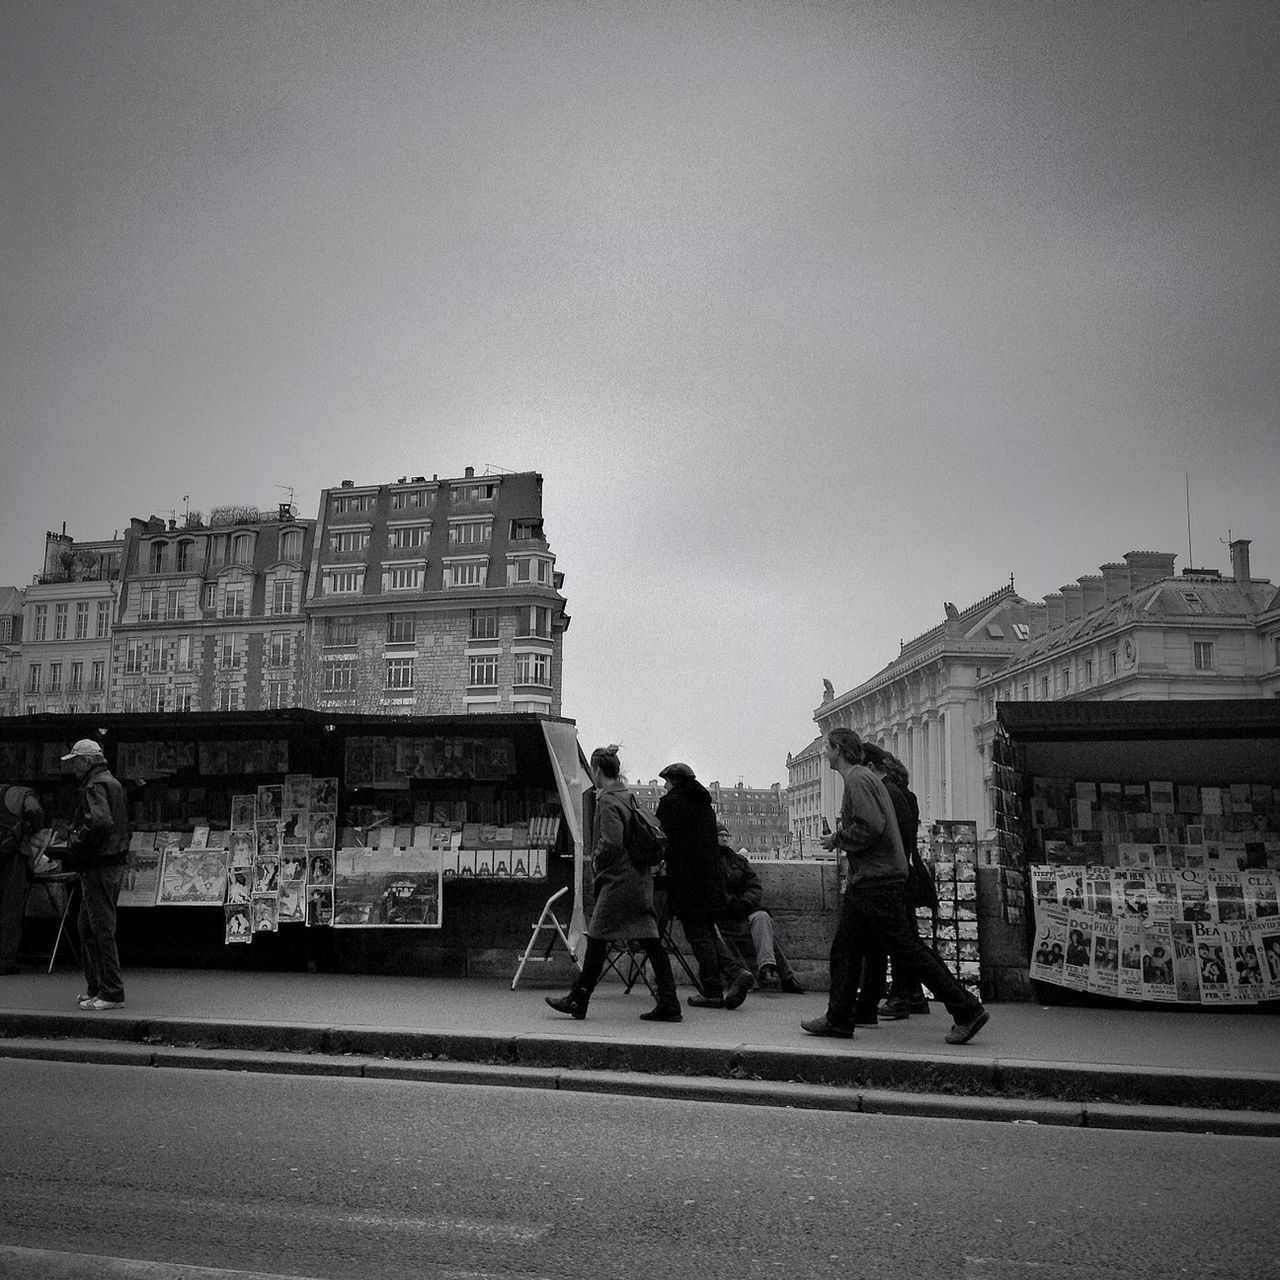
(192, 878)
(392, 888)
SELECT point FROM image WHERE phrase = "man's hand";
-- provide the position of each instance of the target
(828, 842)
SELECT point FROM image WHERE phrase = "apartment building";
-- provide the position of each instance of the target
(10, 649)
(211, 613)
(804, 797)
(435, 597)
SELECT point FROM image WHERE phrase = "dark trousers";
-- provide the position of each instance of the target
(717, 965)
(875, 970)
(99, 890)
(874, 918)
(664, 980)
(15, 880)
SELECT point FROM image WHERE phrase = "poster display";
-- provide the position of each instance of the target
(387, 888)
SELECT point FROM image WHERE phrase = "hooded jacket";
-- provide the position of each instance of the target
(687, 816)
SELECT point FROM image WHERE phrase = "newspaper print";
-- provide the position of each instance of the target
(1079, 949)
(1267, 934)
(1157, 962)
(1104, 969)
(1215, 986)
(1226, 891)
(1261, 895)
(1129, 978)
(1244, 965)
(1186, 969)
(1162, 895)
(1193, 897)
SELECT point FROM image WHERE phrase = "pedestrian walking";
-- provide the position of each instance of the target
(98, 848)
(873, 912)
(622, 885)
(695, 887)
(21, 819)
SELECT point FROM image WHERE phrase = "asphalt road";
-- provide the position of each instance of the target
(366, 1179)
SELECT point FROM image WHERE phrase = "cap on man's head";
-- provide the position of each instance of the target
(721, 829)
(85, 749)
(677, 770)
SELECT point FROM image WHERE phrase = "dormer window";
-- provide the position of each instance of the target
(157, 557)
(242, 548)
(291, 545)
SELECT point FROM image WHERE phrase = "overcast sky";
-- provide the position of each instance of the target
(812, 316)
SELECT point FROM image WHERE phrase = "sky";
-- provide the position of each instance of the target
(812, 316)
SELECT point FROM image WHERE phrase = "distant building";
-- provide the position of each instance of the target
(67, 625)
(432, 597)
(1135, 631)
(756, 816)
(210, 614)
(804, 798)
(10, 649)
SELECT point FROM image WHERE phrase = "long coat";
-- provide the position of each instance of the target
(623, 892)
(694, 882)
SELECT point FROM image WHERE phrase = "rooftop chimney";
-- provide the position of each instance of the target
(469, 473)
(1072, 601)
(348, 484)
(1240, 559)
(1149, 567)
(1037, 619)
(1115, 581)
(1094, 593)
(1056, 611)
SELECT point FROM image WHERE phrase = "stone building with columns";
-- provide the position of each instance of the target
(1135, 630)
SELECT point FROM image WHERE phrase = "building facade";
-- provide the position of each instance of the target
(756, 816)
(10, 649)
(67, 624)
(434, 597)
(804, 798)
(1137, 630)
(210, 615)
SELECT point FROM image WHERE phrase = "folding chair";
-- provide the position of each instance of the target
(547, 922)
(639, 962)
(70, 883)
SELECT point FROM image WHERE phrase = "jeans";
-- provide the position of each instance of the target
(664, 981)
(903, 989)
(717, 965)
(753, 938)
(99, 890)
(872, 918)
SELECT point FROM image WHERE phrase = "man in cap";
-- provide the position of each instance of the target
(695, 888)
(98, 848)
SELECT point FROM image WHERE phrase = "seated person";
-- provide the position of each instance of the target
(747, 926)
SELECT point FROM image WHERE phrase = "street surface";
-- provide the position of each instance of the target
(346, 1179)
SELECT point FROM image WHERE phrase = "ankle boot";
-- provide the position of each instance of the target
(666, 1010)
(574, 1004)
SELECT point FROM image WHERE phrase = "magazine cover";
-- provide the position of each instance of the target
(1244, 964)
(323, 795)
(1162, 895)
(1129, 979)
(1071, 888)
(293, 863)
(1157, 962)
(244, 813)
(320, 867)
(1215, 986)
(266, 876)
(1104, 971)
(387, 889)
(292, 906)
(1193, 897)
(238, 928)
(321, 830)
(1261, 894)
(1098, 895)
(1186, 968)
(1079, 950)
(239, 886)
(297, 791)
(1226, 894)
(270, 803)
(1267, 934)
(319, 906)
(293, 825)
(268, 839)
(141, 877)
(264, 913)
(244, 847)
(192, 878)
(1133, 901)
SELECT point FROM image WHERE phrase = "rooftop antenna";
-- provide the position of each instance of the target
(288, 488)
(1190, 558)
(186, 501)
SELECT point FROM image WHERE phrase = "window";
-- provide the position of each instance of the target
(1277, 644)
(469, 574)
(182, 698)
(1088, 671)
(1021, 630)
(345, 503)
(535, 621)
(182, 653)
(33, 677)
(135, 656)
(291, 545)
(174, 606)
(280, 652)
(55, 677)
(60, 622)
(1066, 679)
(469, 532)
(228, 653)
(484, 624)
(340, 632)
(399, 673)
(403, 499)
(76, 682)
(99, 675)
(211, 596)
(533, 668)
(182, 561)
(522, 530)
(1044, 688)
(522, 568)
(1202, 653)
(1113, 661)
(156, 561)
(340, 676)
(40, 623)
(159, 656)
(408, 535)
(474, 492)
(282, 596)
(233, 600)
(483, 669)
(349, 541)
(152, 610)
(155, 697)
(344, 582)
(227, 698)
(242, 548)
(400, 628)
(276, 694)
(104, 619)
(405, 577)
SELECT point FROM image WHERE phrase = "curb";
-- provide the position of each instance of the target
(1083, 1094)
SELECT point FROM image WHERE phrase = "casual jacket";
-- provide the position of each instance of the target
(921, 889)
(867, 831)
(99, 830)
(24, 804)
(693, 850)
(742, 888)
(623, 892)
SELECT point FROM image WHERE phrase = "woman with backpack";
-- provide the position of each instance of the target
(622, 884)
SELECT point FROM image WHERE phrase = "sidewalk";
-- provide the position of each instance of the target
(1096, 1067)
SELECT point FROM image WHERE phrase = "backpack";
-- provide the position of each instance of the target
(646, 842)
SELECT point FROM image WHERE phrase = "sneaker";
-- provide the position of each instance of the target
(738, 989)
(98, 1004)
(706, 1002)
(963, 1032)
(793, 987)
(824, 1027)
(84, 1000)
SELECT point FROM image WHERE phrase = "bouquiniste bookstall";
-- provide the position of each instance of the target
(293, 838)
